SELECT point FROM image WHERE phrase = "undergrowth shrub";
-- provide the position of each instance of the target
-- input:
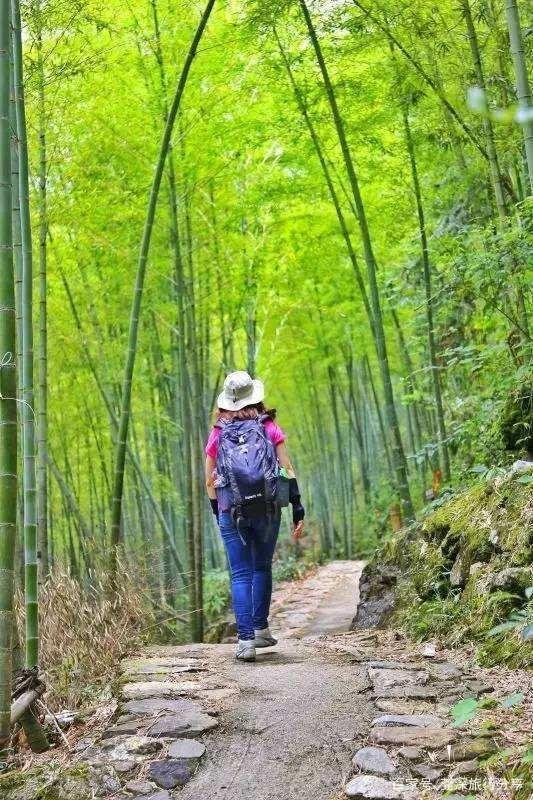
(216, 594)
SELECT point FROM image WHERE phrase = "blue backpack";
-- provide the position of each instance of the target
(247, 469)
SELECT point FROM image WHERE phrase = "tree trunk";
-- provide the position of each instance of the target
(122, 435)
(523, 90)
(8, 382)
(398, 455)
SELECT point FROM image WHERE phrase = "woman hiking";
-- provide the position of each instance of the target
(246, 459)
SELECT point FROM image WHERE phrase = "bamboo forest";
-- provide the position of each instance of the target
(334, 197)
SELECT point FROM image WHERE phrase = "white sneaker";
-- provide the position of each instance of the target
(245, 650)
(263, 638)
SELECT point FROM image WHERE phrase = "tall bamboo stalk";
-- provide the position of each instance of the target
(189, 405)
(523, 89)
(42, 355)
(497, 183)
(398, 455)
(28, 426)
(327, 176)
(122, 435)
(8, 388)
(435, 85)
(432, 350)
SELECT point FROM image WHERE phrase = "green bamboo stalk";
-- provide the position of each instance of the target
(28, 427)
(435, 85)
(16, 231)
(8, 388)
(327, 177)
(186, 409)
(353, 414)
(379, 415)
(432, 350)
(497, 183)
(120, 456)
(523, 89)
(398, 455)
(114, 422)
(42, 355)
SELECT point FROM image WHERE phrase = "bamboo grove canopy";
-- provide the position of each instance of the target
(334, 195)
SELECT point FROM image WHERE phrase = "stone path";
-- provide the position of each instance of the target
(323, 603)
(326, 714)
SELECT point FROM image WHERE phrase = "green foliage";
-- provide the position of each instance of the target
(216, 594)
(290, 568)
(464, 711)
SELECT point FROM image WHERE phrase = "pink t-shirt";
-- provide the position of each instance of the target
(273, 431)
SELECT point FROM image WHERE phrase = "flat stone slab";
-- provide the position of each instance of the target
(396, 665)
(411, 753)
(476, 687)
(466, 768)
(445, 671)
(141, 745)
(153, 669)
(398, 706)
(427, 773)
(140, 787)
(372, 787)
(122, 728)
(411, 720)
(388, 678)
(172, 772)
(124, 765)
(174, 726)
(154, 705)
(430, 738)
(186, 748)
(153, 796)
(156, 662)
(415, 692)
(374, 759)
(143, 690)
(468, 749)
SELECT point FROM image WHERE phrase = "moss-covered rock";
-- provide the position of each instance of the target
(466, 565)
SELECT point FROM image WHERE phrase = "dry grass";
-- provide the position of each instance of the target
(84, 632)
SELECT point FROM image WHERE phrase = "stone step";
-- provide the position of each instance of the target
(410, 720)
(430, 738)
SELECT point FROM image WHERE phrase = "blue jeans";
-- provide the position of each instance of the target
(250, 564)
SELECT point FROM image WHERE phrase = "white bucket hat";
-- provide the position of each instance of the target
(240, 391)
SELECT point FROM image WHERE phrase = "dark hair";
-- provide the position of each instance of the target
(248, 412)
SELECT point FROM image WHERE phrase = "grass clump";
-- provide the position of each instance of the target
(84, 632)
(47, 782)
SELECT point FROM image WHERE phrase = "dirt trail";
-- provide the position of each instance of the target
(290, 731)
(329, 713)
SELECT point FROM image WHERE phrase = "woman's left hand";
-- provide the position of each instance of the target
(298, 531)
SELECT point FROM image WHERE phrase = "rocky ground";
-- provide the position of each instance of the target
(329, 713)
